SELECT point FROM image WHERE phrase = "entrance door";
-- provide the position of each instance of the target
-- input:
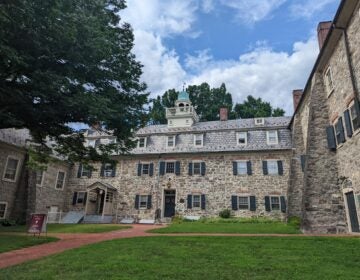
(352, 212)
(169, 210)
(101, 198)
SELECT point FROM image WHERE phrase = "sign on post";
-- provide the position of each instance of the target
(37, 223)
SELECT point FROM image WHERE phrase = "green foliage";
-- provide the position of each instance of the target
(256, 108)
(294, 221)
(225, 214)
(13, 242)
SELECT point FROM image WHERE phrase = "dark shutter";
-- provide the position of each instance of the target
(102, 170)
(90, 172)
(235, 168)
(203, 201)
(357, 109)
(265, 168)
(341, 129)
(302, 160)
(203, 168)
(74, 198)
(280, 167)
(113, 171)
(347, 118)
(85, 198)
(151, 169)
(137, 198)
(249, 169)
(331, 137)
(149, 202)
(162, 168)
(190, 168)
(139, 167)
(189, 201)
(177, 168)
(234, 202)
(252, 203)
(282, 204)
(267, 203)
(79, 170)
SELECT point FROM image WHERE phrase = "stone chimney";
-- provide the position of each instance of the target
(223, 114)
(297, 93)
(96, 126)
(322, 31)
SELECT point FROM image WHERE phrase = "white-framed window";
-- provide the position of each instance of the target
(11, 169)
(142, 142)
(39, 177)
(85, 171)
(337, 129)
(259, 121)
(241, 138)
(354, 116)
(329, 82)
(170, 167)
(272, 137)
(171, 141)
(241, 167)
(275, 202)
(272, 166)
(3, 208)
(91, 143)
(198, 140)
(196, 168)
(244, 202)
(109, 197)
(60, 180)
(143, 200)
(145, 168)
(80, 197)
(196, 201)
(108, 169)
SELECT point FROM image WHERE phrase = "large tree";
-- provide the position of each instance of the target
(256, 108)
(66, 61)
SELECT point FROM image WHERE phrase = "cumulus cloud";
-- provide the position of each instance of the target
(308, 8)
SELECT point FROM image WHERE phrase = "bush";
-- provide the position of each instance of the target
(294, 221)
(225, 214)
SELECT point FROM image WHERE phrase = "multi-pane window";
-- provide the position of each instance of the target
(109, 197)
(354, 117)
(85, 171)
(171, 141)
(60, 180)
(242, 138)
(272, 166)
(196, 201)
(143, 199)
(145, 168)
(3, 206)
(241, 167)
(275, 202)
(259, 121)
(39, 177)
(11, 169)
(329, 80)
(170, 167)
(338, 131)
(108, 169)
(197, 168)
(243, 202)
(272, 137)
(198, 140)
(142, 142)
(91, 143)
(80, 197)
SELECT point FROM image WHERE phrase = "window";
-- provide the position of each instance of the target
(259, 121)
(85, 171)
(91, 143)
(11, 169)
(272, 166)
(242, 138)
(171, 141)
(80, 198)
(243, 202)
(197, 168)
(143, 199)
(109, 197)
(272, 137)
(60, 180)
(3, 206)
(142, 142)
(108, 170)
(97, 142)
(329, 81)
(241, 167)
(196, 201)
(170, 167)
(354, 116)
(145, 168)
(275, 202)
(39, 177)
(198, 140)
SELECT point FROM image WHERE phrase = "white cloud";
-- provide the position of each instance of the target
(199, 61)
(308, 8)
(207, 6)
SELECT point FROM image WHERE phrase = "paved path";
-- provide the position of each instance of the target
(69, 241)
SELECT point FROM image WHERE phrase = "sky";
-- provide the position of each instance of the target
(263, 48)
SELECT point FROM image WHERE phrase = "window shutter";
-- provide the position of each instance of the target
(177, 168)
(357, 109)
(149, 202)
(162, 168)
(189, 201)
(252, 203)
(203, 201)
(137, 197)
(102, 170)
(74, 198)
(249, 169)
(331, 137)
(113, 172)
(265, 168)
(203, 168)
(190, 168)
(349, 131)
(267, 203)
(79, 171)
(90, 173)
(302, 160)
(85, 198)
(151, 169)
(234, 202)
(235, 168)
(282, 204)
(280, 167)
(341, 129)
(139, 167)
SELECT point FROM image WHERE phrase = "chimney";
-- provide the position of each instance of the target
(297, 93)
(96, 125)
(223, 114)
(322, 31)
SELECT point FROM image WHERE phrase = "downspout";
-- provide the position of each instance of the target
(158, 195)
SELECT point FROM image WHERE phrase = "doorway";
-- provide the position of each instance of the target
(169, 207)
(354, 222)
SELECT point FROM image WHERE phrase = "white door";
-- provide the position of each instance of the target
(53, 214)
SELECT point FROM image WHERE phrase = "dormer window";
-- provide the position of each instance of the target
(199, 140)
(241, 138)
(142, 142)
(171, 141)
(259, 121)
(272, 137)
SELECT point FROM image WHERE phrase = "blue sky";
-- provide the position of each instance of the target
(265, 48)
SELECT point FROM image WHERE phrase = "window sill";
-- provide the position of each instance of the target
(356, 132)
(9, 180)
(331, 92)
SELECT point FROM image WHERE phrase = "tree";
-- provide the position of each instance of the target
(65, 61)
(256, 108)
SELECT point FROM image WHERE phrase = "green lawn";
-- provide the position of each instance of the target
(165, 257)
(13, 242)
(70, 228)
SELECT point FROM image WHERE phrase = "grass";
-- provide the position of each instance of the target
(165, 257)
(13, 242)
(70, 228)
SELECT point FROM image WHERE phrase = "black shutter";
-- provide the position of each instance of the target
(139, 167)
(149, 202)
(162, 168)
(203, 168)
(234, 202)
(74, 198)
(189, 201)
(280, 167)
(137, 198)
(302, 160)
(151, 169)
(113, 171)
(283, 204)
(177, 168)
(79, 170)
(85, 198)
(203, 201)
(252, 203)
(249, 169)
(267, 203)
(347, 118)
(235, 168)
(357, 109)
(341, 129)
(90, 172)
(102, 170)
(331, 137)
(190, 168)
(265, 168)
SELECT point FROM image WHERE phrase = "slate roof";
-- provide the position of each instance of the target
(17, 137)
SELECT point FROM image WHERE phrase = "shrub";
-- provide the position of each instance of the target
(294, 221)
(225, 214)
(177, 219)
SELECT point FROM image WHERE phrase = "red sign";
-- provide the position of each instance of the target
(38, 223)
